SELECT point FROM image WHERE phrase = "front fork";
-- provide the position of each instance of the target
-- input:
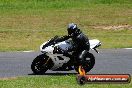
(47, 63)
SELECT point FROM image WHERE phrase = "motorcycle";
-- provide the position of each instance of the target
(49, 60)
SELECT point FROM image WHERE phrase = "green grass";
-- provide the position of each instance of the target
(25, 24)
(30, 40)
(68, 81)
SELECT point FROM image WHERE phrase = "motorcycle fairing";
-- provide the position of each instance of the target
(65, 45)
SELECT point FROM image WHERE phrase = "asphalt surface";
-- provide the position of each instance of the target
(115, 61)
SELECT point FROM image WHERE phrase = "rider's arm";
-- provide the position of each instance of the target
(63, 38)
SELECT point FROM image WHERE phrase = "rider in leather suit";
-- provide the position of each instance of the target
(80, 41)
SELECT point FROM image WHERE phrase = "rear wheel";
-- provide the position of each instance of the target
(89, 63)
(40, 64)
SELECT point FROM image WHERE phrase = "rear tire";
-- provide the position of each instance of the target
(38, 65)
(89, 63)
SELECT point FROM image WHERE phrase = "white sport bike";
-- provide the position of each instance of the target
(49, 60)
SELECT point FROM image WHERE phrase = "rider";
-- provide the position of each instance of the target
(80, 42)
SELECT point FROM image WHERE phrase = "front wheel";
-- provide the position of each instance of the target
(89, 63)
(40, 64)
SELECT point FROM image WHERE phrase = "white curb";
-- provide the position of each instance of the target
(127, 48)
(29, 51)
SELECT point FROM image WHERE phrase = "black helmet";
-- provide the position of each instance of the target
(72, 29)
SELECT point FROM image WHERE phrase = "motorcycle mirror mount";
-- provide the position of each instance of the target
(96, 50)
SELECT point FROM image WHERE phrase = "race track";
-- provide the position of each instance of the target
(115, 61)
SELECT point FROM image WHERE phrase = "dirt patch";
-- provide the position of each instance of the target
(119, 27)
(8, 78)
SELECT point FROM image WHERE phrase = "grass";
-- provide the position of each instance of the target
(66, 81)
(25, 24)
(30, 40)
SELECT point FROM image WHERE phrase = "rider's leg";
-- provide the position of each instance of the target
(81, 60)
(82, 57)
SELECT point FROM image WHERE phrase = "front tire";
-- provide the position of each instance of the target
(40, 64)
(89, 63)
